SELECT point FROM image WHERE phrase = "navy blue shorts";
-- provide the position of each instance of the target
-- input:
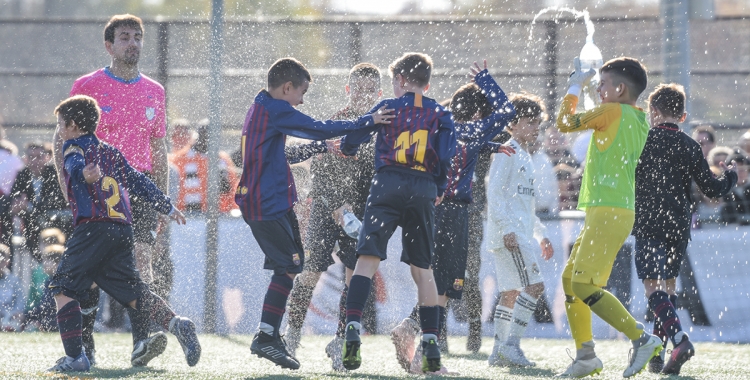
(398, 198)
(99, 252)
(451, 248)
(281, 242)
(658, 260)
(322, 234)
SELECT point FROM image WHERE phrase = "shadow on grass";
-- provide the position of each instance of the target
(116, 373)
(234, 340)
(532, 372)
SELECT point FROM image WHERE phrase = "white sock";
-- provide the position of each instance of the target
(503, 316)
(522, 312)
(266, 328)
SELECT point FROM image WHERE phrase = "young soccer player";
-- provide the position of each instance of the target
(99, 253)
(608, 197)
(514, 234)
(336, 182)
(266, 193)
(480, 111)
(670, 161)
(412, 159)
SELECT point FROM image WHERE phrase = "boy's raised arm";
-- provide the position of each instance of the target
(138, 184)
(446, 149)
(598, 118)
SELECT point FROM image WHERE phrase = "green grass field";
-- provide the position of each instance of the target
(26, 356)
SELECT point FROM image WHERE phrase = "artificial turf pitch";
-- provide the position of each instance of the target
(28, 355)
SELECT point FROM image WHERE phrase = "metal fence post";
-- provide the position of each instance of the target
(355, 46)
(550, 63)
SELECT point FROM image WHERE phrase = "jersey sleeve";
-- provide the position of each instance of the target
(599, 119)
(138, 184)
(160, 125)
(499, 195)
(351, 142)
(446, 149)
(289, 121)
(503, 112)
(74, 162)
(710, 185)
(303, 152)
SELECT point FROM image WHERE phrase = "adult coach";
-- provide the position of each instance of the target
(133, 120)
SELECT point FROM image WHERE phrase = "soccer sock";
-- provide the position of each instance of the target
(442, 324)
(608, 308)
(139, 322)
(274, 303)
(429, 318)
(69, 321)
(579, 315)
(502, 320)
(414, 313)
(522, 312)
(665, 313)
(359, 290)
(299, 302)
(341, 329)
(89, 307)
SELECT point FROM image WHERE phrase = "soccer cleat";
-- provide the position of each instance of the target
(403, 337)
(680, 354)
(334, 351)
(415, 365)
(91, 355)
(184, 330)
(274, 349)
(656, 364)
(641, 355)
(68, 364)
(495, 359)
(147, 349)
(351, 356)
(513, 356)
(292, 338)
(430, 356)
(582, 368)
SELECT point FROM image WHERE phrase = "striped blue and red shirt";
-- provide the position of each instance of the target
(266, 190)
(420, 138)
(106, 200)
(475, 137)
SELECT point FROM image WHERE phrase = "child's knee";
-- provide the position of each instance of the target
(588, 293)
(535, 290)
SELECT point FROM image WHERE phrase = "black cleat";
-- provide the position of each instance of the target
(430, 356)
(656, 364)
(274, 349)
(352, 343)
(680, 355)
(147, 349)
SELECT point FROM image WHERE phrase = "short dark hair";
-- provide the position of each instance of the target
(287, 70)
(707, 129)
(669, 99)
(415, 67)
(528, 105)
(82, 110)
(121, 20)
(629, 71)
(364, 70)
(467, 102)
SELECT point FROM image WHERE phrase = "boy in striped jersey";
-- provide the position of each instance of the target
(266, 192)
(99, 253)
(412, 159)
(514, 234)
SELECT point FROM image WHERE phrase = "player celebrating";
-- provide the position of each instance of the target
(412, 159)
(608, 197)
(338, 183)
(266, 193)
(510, 233)
(100, 251)
(670, 161)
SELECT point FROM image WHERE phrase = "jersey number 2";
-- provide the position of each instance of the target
(109, 184)
(405, 140)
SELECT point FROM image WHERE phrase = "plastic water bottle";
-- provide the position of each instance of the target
(591, 58)
(352, 225)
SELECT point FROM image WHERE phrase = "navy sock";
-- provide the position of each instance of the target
(69, 321)
(274, 304)
(359, 290)
(665, 313)
(89, 308)
(429, 320)
(341, 328)
(415, 313)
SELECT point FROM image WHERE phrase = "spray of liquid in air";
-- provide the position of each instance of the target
(590, 56)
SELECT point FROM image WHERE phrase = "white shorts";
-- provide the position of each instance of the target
(516, 269)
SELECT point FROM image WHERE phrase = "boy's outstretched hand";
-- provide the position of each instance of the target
(732, 166)
(578, 77)
(383, 115)
(177, 216)
(91, 173)
(476, 69)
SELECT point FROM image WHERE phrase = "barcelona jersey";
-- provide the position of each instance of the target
(106, 200)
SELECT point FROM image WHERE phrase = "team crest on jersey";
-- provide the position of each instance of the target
(295, 258)
(150, 113)
(458, 284)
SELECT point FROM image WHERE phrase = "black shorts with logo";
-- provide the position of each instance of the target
(281, 242)
(451, 247)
